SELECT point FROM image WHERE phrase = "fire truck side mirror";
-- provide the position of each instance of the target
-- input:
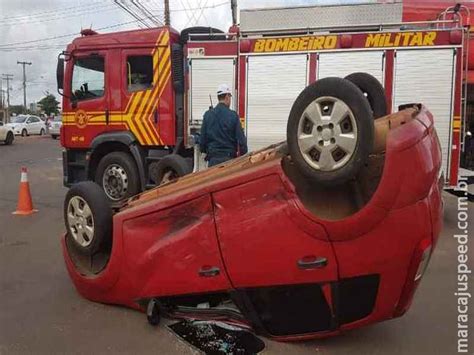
(60, 74)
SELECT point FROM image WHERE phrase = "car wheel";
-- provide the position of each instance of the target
(330, 131)
(42, 132)
(54, 136)
(169, 168)
(373, 90)
(117, 173)
(10, 138)
(24, 133)
(88, 217)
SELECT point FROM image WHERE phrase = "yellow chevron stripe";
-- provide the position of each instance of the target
(147, 103)
(139, 117)
(135, 125)
(164, 73)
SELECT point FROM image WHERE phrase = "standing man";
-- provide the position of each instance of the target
(222, 137)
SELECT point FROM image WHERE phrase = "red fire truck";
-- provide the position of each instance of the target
(133, 101)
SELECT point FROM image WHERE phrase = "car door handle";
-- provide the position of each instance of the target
(209, 271)
(312, 262)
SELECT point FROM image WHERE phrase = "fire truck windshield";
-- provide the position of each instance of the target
(88, 78)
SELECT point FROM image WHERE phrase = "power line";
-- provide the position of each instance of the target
(61, 10)
(64, 36)
(58, 18)
(131, 13)
(9, 45)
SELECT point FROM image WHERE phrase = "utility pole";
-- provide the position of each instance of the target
(8, 77)
(167, 13)
(24, 82)
(233, 8)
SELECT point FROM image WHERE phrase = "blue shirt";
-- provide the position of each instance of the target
(221, 133)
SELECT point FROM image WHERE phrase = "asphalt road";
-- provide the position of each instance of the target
(40, 311)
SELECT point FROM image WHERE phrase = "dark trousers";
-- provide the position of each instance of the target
(218, 160)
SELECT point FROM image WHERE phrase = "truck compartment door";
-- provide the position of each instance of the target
(273, 83)
(427, 76)
(341, 64)
(206, 74)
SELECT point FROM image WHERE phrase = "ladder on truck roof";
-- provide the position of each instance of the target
(456, 12)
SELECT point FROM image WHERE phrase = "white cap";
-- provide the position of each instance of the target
(223, 89)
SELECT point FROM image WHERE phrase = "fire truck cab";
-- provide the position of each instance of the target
(133, 101)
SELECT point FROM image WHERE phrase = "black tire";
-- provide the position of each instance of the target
(123, 162)
(153, 313)
(24, 133)
(172, 164)
(97, 201)
(54, 136)
(41, 132)
(373, 90)
(339, 90)
(9, 139)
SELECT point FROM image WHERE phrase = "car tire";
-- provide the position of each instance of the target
(54, 136)
(41, 132)
(24, 133)
(169, 168)
(117, 174)
(9, 139)
(330, 151)
(88, 217)
(373, 90)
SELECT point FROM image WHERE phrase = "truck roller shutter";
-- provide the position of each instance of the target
(206, 75)
(274, 82)
(426, 76)
(341, 64)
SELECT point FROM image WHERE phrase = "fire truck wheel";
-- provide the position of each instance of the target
(88, 217)
(117, 173)
(170, 168)
(330, 131)
(373, 90)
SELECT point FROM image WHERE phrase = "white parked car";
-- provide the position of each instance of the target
(55, 126)
(25, 125)
(6, 134)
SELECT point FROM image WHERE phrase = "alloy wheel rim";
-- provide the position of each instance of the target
(327, 134)
(81, 221)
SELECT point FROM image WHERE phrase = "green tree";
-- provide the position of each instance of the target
(49, 104)
(16, 109)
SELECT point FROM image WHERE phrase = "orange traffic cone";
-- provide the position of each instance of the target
(25, 205)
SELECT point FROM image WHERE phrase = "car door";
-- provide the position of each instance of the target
(37, 123)
(3, 132)
(173, 249)
(30, 127)
(281, 264)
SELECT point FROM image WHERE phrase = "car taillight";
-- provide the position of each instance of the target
(425, 258)
(418, 265)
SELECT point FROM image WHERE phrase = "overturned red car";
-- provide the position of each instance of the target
(262, 241)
